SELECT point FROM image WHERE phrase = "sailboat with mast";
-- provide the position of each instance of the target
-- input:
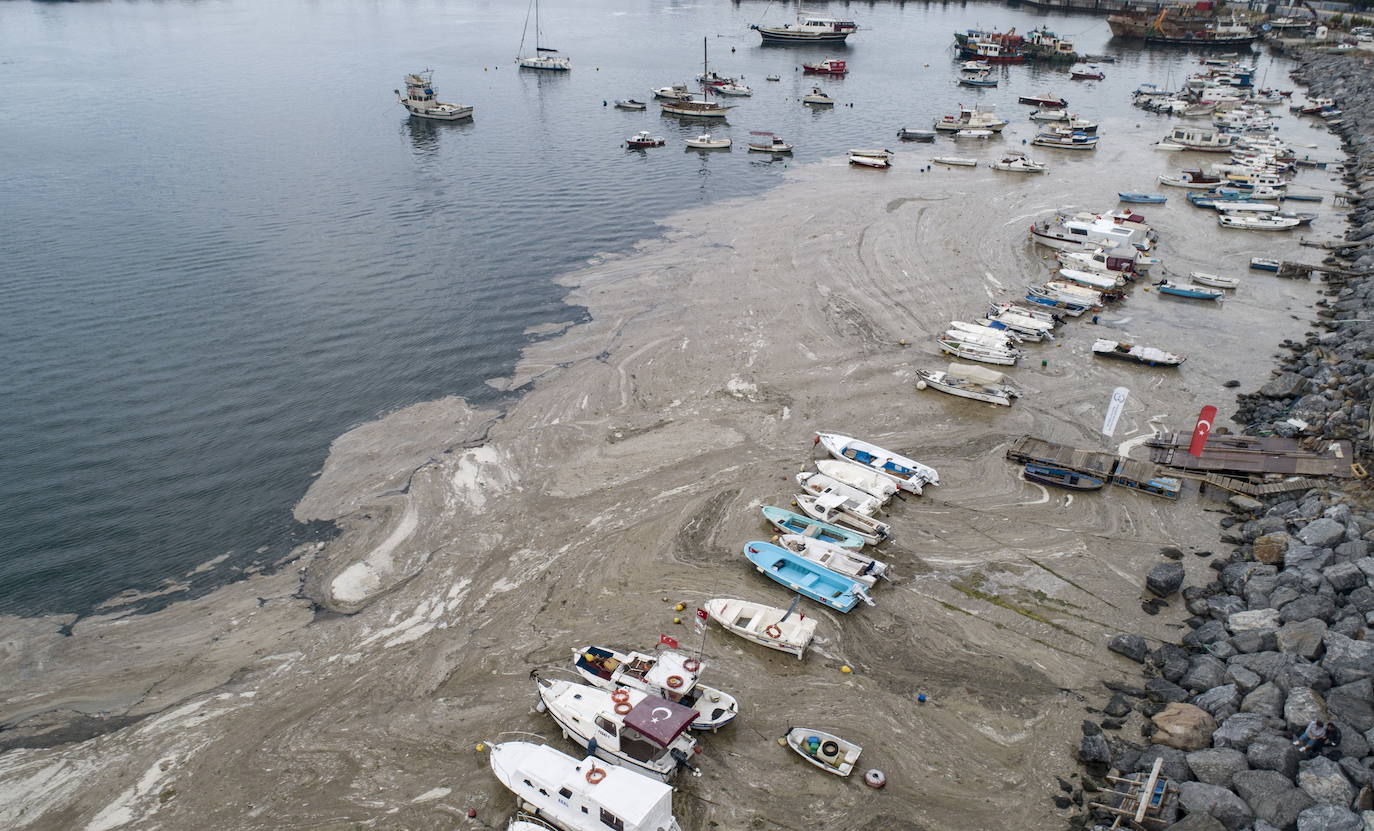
(697, 108)
(543, 57)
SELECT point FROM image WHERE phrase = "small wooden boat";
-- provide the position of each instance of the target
(871, 482)
(668, 674)
(956, 161)
(831, 508)
(826, 751)
(852, 564)
(780, 629)
(1203, 278)
(818, 98)
(1188, 290)
(829, 66)
(1061, 477)
(643, 139)
(967, 381)
(1143, 198)
(788, 522)
(706, 142)
(909, 474)
(675, 92)
(1018, 163)
(975, 66)
(870, 158)
(1047, 101)
(856, 500)
(916, 135)
(973, 134)
(1264, 264)
(1302, 197)
(806, 577)
(630, 104)
(767, 143)
(1147, 355)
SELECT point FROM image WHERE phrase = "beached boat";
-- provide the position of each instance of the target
(630, 104)
(1192, 179)
(1047, 101)
(1257, 222)
(1046, 316)
(984, 334)
(1018, 163)
(1061, 477)
(818, 97)
(1081, 293)
(1103, 282)
(966, 381)
(1205, 279)
(715, 79)
(667, 674)
(1085, 72)
(806, 577)
(915, 135)
(767, 143)
(808, 29)
(855, 499)
(579, 795)
(972, 350)
(1073, 307)
(871, 158)
(419, 99)
(1198, 139)
(826, 751)
(871, 482)
(1188, 290)
(1264, 264)
(1074, 141)
(644, 139)
(829, 66)
(909, 474)
(788, 522)
(1143, 198)
(1148, 355)
(782, 629)
(544, 58)
(843, 561)
(1077, 233)
(956, 161)
(706, 142)
(650, 735)
(1023, 321)
(831, 508)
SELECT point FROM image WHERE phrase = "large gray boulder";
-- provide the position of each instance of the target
(1323, 780)
(1175, 762)
(1093, 750)
(1216, 765)
(1302, 638)
(1196, 822)
(1344, 577)
(1329, 818)
(1204, 672)
(1298, 556)
(1322, 533)
(1271, 797)
(1309, 606)
(1270, 666)
(1165, 691)
(1239, 730)
(1352, 704)
(1165, 578)
(1274, 751)
(1255, 640)
(1266, 699)
(1132, 646)
(1213, 631)
(1347, 660)
(1304, 705)
(1244, 679)
(1216, 802)
(1222, 702)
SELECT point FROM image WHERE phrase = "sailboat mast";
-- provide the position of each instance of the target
(536, 27)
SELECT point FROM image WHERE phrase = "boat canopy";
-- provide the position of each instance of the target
(976, 374)
(660, 720)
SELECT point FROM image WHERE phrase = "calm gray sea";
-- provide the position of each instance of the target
(223, 243)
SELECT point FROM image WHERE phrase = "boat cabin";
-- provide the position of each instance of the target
(1200, 137)
(568, 792)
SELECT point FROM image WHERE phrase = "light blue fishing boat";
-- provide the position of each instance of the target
(805, 577)
(1145, 198)
(1189, 291)
(790, 523)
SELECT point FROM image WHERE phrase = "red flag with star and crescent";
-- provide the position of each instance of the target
(1202, 431)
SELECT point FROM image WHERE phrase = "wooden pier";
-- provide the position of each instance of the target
(1128, 473)
(1253, 455)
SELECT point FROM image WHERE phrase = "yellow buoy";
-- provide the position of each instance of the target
(845, 669)
(481, 747)
(679, 607)
(677, 620)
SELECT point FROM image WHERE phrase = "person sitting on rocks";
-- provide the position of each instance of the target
(1312, 739)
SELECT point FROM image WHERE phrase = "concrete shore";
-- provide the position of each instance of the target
(348, 688)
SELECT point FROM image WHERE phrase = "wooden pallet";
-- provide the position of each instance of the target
(1141, 802)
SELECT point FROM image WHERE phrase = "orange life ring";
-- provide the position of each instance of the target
(595, 775)
(620, 696)
(691, 665)
(773, 631)
(622, 707)
(675, 681)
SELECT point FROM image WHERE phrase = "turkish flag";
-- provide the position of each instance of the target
(668, 641)
(1202, 431)
(701, 613)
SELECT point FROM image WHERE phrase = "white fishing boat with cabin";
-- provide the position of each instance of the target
(809, 28)
(1018, 163)
(1198, 139)
(844, 561)
(767, 143)
(706, 141)
(818, 97)
(1257, 222)
(833, 508)
(419, 99)
(871, 158)
(667, 674)
(785, 630)
(1214, 280)
(969, 381)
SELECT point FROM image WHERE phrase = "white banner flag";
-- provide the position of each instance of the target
(1114, 409)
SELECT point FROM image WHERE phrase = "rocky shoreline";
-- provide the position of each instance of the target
(1281, 634)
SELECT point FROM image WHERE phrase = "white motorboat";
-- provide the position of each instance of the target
(1023, 323)
(973, 134)
(644, 139)
(668, 674)
(1098, 280)
(1082, 293)
(971, 118)
(972, 350)
(909, 474)
(1018, 163)
(826, 751)
(871, 482)
(1061, 303)
(677, 92)
(773, 78)
(1198, 139)
(782, 629)
(738, 90)
(956, 161)
(1081, 232)
(832, 508)
(579, 794)
(858, 501)
(859, 567)
(809, 28)
(1257, 222)
(986, 335)
(1073, 141)
(1190, 179)
(1043, 315)
(419, 99)
(870, 158)
(630, 104)
(706, 142)
(644, 733)
(818, 97)
(1214, 280)
(768, 143)
(975, 66)
(968, 381)
(543, 57)
(1148, 355)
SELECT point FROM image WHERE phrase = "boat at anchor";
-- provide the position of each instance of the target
(419, 99)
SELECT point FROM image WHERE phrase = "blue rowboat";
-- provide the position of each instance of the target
(1146, 198)
(1062, 477)
(1189, 291)
(805, 577)
(789, 523)
(1264, 264)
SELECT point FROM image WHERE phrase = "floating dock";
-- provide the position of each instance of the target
(1128, 473)
(1253, 455)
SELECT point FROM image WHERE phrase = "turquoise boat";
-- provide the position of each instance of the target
(789, 523)
(805, 577)
(1147, 198)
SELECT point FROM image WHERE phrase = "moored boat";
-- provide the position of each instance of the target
(1061, 477)
(630, 104)
(826, 751)
(1086, 72)
(973, 350)
(909, 474)
(1192, 179)
(967, 381)
(667, 674)
(871, 158)
(973, 134)
(767, 143)
(706, 142)
(806, 577)
(782, 629)
(1188, 290)
(843, 561)
(808, 29)
(829, 66)
(981, 80)
(915, 135)
(1074, 141)
(644, 139)
(1148, 355)
(956, 161)
(1264, 264)
(1257, 222)
(831, 508)
(818, 97)
(1203, 278)
(1018, 163)
(1143, 198)
(419, 99)
(1048, 101)
(544, 58)
(871, 482)
(855, 499)
(788, 522)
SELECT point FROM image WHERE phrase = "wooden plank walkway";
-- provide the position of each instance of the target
(1255, 455)
(1234, 485)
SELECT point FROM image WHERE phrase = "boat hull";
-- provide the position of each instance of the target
(804, 576)
(1062, 478)
(754, 622)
